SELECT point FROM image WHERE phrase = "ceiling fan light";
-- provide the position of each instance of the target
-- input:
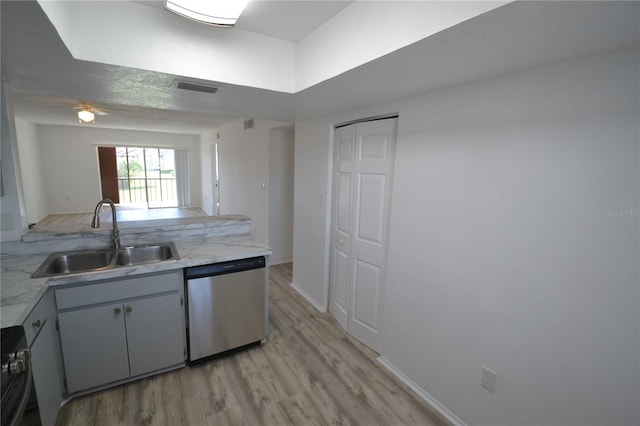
(223, 13)
(85, 116)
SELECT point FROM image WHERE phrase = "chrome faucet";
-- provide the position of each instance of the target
(95, 223)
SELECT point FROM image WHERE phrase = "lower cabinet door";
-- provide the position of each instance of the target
(45, 374)
(94, 346)
(155, 333)
(46, 358)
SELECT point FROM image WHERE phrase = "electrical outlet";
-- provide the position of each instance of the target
(488, 380)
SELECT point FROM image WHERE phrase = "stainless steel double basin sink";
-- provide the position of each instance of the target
(72, 262)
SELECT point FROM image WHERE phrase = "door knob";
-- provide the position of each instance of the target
(117, 311)
(341, 241)
(128, 309)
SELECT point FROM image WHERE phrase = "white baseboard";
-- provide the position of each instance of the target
(444, 411)
(309, 298)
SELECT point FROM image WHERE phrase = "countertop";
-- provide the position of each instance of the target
(20, 293)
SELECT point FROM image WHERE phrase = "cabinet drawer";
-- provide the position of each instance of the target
(117, 289)
(44, 311)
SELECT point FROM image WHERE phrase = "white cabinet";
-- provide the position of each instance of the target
(94, 344)
(121, 329)
(46, 359)
(150, 324)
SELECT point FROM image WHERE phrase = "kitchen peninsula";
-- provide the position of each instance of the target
(92, 330)
(199, 240)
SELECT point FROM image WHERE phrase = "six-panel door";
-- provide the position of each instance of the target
(363, 165)
(343, 160)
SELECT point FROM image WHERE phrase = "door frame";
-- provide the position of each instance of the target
(215, 181)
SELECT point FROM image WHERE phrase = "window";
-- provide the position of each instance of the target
(147, 177)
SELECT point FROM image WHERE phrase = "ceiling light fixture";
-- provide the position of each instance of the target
(223, 13)
(86, 116)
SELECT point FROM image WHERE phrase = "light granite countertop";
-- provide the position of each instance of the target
(20, 293)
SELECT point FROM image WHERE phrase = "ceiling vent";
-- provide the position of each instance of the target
(194, 87)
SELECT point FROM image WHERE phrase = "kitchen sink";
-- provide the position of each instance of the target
(74, 262)
(145, 254)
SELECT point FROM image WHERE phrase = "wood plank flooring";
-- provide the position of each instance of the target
(309, 372)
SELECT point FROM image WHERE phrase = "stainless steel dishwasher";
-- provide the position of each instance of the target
(226, 306)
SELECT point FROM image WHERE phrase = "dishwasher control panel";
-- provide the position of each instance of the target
(225, 267)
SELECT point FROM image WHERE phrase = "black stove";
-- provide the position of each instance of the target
(13, 382)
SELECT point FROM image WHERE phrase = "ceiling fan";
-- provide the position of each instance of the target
(87, 113)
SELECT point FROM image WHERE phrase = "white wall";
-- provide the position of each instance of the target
(361, 32)
(366, 30)
(281, 154)
(32, 178)
(70, 162)
(244, 168)
(310, 214)
(13, 220)
(505, 248)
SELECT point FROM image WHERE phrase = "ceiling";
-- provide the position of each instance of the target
(285, 20)
(45, 81)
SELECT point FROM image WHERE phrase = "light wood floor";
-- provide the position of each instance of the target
(309, 372)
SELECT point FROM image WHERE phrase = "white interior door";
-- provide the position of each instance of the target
(343, 160)
(364, 155)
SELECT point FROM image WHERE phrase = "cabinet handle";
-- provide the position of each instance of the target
(117, 311)
(36, 324)
(128, 309)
